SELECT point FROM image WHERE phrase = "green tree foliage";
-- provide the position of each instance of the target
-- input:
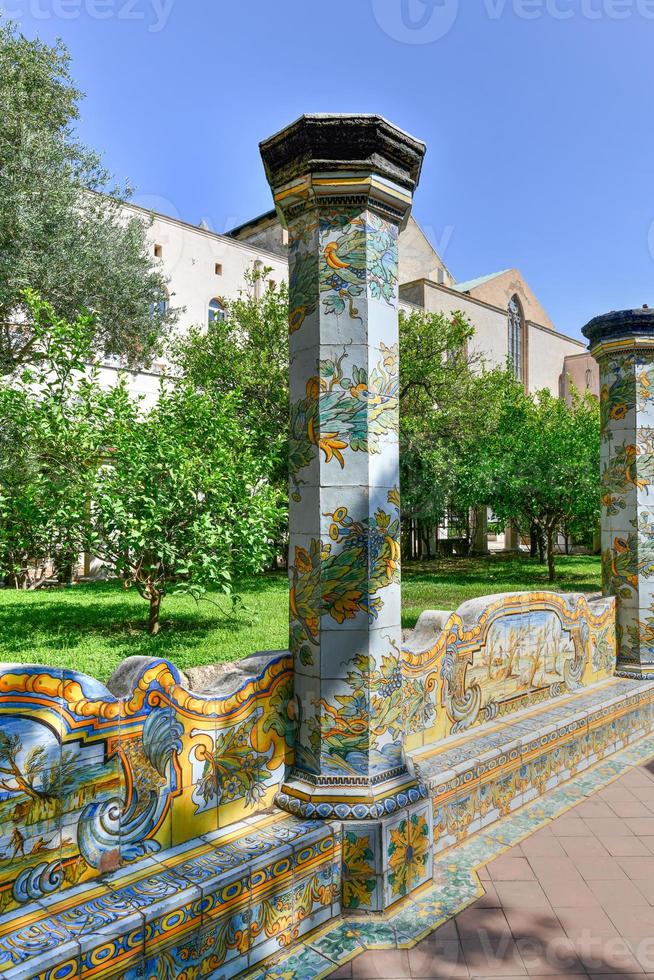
(171, 497)
(183, 500)
(51, 420)
(58, 233)
(537, 463)
(246, 354)
(437, 414)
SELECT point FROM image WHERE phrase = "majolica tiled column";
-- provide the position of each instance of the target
(623, 345)
(343, 187)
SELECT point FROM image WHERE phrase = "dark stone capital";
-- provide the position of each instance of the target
(621, 328)
(342, 142)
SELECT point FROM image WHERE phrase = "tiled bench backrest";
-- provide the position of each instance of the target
(90, 782)
(498, 654)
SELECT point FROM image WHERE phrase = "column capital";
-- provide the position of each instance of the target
(335, 159)
(620, 330)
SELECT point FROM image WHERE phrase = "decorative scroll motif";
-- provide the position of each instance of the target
(89, 783)
(497, 655)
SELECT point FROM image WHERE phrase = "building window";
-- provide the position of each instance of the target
(160, 306)
(216, 311)
(516, 333)
(589, 377)
(158, 251)
(218, 269)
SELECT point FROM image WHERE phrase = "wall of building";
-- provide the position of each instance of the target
(545, 350)
(582, 372)
(491, 331)
(498, 292)
(189, 256)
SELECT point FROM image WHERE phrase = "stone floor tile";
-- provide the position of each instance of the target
(508, 868)
(645, 794)
(570, 894)
(643, 949)
(586, 922)
(629, 808)
(343, 973)
(641, 826)
(554, 869)
(447, 932)
(624, 846)
(634, 921)
(528, 923)
(646, 887)
(637, 777)
(594, 807)
(637, 867)
(617, 893)
(435, 960)
(474, 922)
(490, 956)
(569, 827)
(600, 868)
(608, 827)
(387, 964)
(549, 846)
(489, 900)
(610, 955)
(555, 955)
(522, 894)
(586, 847)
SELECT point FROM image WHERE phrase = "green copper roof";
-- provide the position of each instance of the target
(465, 287)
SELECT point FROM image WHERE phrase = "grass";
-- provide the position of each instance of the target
(91, 628)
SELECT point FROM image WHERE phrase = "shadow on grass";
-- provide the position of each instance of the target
(74, 617)
(574, 573)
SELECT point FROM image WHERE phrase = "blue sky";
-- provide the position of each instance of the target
(537, 115)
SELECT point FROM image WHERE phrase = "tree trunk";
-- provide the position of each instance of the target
(540, 538)
(153, 619)
(551, 571)
(533, 541)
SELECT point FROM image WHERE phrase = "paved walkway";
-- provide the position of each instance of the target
(575, 898)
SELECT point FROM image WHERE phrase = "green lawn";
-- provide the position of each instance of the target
(92, 627)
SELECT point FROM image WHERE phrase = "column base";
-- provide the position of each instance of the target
(385, 860)
(638, 672)
(348, 797)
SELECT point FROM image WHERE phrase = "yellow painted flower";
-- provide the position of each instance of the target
(619, 411)
(331, 446)
(407, 854)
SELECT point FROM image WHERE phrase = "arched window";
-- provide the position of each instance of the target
(516, 333)
(216, 311)
(589, 377)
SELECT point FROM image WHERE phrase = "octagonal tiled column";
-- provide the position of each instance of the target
(343, 188)
(623, 345)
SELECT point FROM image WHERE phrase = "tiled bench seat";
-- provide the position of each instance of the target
(480, 777)
(210, 908)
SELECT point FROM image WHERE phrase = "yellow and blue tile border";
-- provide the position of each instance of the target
(455, 886)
